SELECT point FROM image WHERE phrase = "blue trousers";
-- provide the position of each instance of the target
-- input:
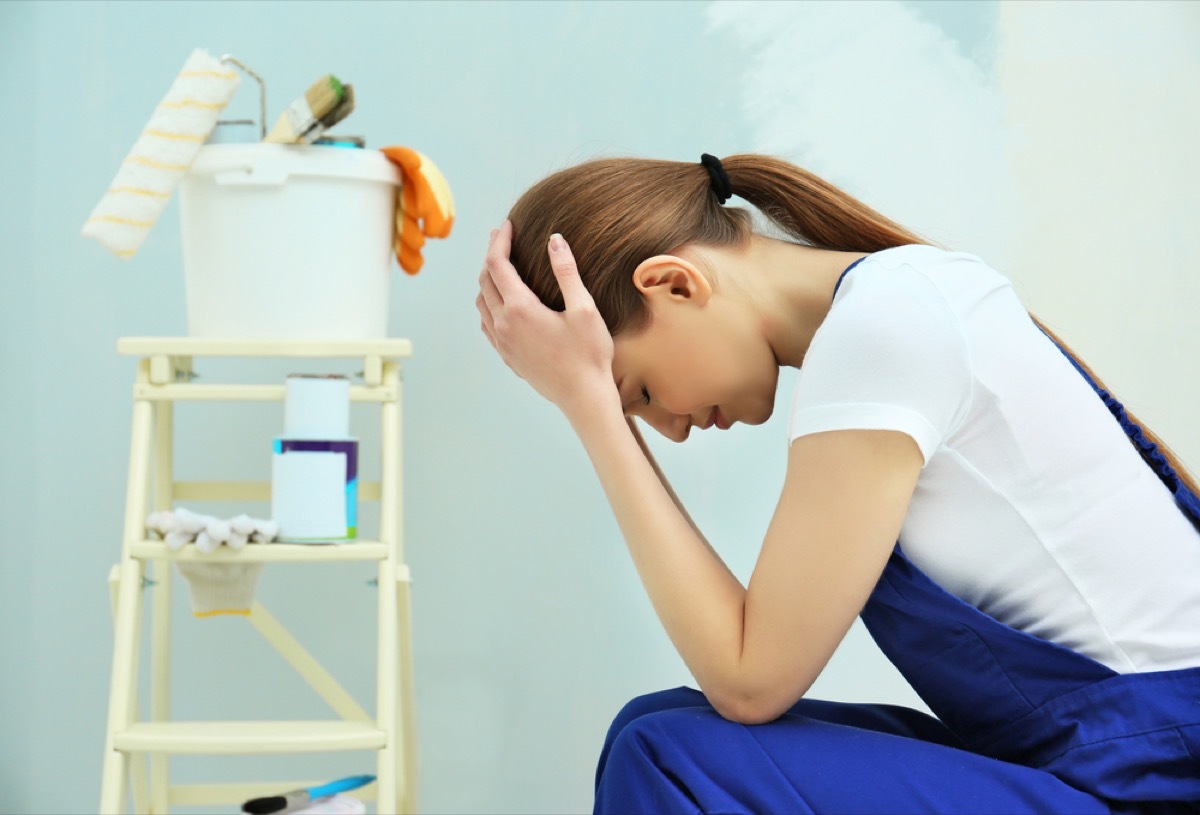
(671, 752)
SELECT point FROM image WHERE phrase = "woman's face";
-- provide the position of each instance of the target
(695, 365)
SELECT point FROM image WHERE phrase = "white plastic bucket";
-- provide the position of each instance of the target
(288, 241)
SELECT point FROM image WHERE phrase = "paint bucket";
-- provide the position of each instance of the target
(314, 470)
(288, 241)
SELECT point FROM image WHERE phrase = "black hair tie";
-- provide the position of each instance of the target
(718, 177)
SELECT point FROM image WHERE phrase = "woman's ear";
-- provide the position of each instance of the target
(673, 278)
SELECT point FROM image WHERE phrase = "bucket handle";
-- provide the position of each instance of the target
(262, 93)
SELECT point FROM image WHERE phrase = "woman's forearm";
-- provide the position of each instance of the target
(699, 601)
(637, 435)
(567, 356)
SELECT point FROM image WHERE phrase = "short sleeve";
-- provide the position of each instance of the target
(890, 355)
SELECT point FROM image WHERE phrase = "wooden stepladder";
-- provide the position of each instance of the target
(137, 748)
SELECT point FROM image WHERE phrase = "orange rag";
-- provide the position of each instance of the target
(424, 205)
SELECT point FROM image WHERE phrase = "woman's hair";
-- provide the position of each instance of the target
(616, 212)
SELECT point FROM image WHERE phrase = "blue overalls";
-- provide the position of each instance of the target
(1023, 725)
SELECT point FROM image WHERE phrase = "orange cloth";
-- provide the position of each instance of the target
(424, 205)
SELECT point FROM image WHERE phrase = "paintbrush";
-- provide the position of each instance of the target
(297, 799)
(335, 115)
(304, 114)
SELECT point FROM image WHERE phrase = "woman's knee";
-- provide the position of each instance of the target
(676, 759)
(653, 703)
(646, 705)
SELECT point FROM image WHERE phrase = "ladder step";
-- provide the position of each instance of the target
(264, 552)
(219, 738)
(209, 795)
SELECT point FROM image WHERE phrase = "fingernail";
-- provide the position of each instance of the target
(556, 242)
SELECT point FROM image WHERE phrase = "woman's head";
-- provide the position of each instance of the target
(652, 241)
(617, 212)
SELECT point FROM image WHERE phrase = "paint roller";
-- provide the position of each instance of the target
(162, 154)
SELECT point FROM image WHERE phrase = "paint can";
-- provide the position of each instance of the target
(314, 469)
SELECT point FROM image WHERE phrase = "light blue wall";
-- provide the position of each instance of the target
(531, 629)
(531, 626)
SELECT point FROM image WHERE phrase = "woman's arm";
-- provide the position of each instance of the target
(754, 651)
(697, 598)
(662, 478)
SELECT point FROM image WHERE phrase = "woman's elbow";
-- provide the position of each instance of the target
(751, 708)
(758, 695)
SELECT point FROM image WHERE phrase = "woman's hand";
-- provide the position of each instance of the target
(566, 356)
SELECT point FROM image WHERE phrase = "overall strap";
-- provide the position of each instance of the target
(1187, 500)
(842, 276)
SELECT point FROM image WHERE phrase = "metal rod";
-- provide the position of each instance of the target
(262, 93)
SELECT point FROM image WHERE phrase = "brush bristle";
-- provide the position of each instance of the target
(338, 87)
(265, 806)
(341, 111)
(324, 95)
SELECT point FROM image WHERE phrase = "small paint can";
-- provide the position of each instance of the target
(342, 141)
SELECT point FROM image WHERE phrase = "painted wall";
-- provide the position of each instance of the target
(1050, 138)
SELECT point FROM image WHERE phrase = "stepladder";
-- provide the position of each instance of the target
(141, 734)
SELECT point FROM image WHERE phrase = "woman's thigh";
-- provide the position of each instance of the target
(671, 752)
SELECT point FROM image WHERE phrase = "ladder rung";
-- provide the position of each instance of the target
(245, 393)
(219, 738)
(247, 491)
(264, 552)
(391, 347)
(207, 795)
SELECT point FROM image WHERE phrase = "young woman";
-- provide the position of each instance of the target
(954, 476)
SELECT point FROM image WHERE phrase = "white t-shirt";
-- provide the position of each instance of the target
(1032, 505)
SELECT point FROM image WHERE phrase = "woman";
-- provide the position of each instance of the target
(1044, 593)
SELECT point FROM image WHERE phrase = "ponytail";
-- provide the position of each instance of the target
(810, 209)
